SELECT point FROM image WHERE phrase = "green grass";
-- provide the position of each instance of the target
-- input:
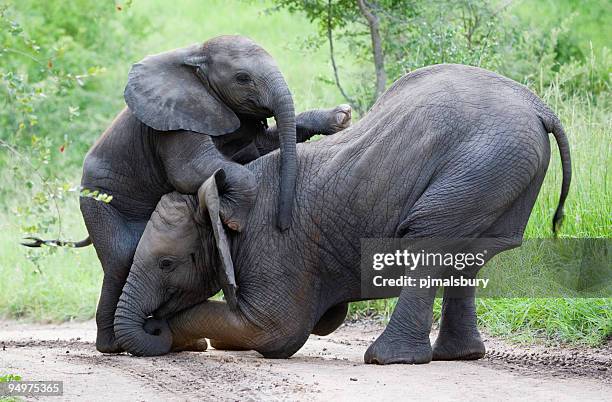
(588, 210)
(48, 285)
(525, 320)
(554, 320)
(64, 284)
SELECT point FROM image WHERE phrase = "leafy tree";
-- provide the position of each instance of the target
(397, 36)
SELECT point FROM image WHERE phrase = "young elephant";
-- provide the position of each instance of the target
(449, 151)
(190, 112)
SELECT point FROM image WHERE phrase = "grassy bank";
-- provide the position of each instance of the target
(58, 285)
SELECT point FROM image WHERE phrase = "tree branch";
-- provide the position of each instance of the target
(379, 58)
(332, 56)
(44, 181)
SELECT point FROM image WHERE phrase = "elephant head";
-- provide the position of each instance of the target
(207, 88)
(182, 259)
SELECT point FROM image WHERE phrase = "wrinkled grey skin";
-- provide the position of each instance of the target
(449, 151)
(190, 111)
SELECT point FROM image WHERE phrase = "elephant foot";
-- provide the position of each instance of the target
(387, 351)
(341, 118)
(221, 345)
(106, 342)
(199, 345)
(450, 347)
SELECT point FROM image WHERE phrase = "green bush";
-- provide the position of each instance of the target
(59, 81)
(59, 87)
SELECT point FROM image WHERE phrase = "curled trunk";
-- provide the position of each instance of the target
(136, 331)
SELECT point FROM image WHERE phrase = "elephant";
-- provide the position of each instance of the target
(448, 151)
(190, 111)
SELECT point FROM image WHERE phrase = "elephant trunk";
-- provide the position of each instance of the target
(135, 330)
(284, 114)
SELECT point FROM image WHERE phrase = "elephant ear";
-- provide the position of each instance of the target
(208, 202)
(170, 91)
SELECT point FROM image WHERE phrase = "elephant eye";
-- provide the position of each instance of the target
(243, 78)
(166, 264)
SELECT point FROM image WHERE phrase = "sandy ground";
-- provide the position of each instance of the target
(326, 368)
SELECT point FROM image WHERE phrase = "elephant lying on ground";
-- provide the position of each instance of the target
(449, 151)
(190, 112)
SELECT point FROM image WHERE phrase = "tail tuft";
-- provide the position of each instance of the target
(558, 221)
(38, 242)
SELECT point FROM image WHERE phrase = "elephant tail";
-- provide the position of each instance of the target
(553, 125)
(37, 242)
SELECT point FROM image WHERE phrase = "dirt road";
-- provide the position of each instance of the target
(327, 368)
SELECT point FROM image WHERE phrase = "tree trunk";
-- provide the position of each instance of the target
(355, 105)
(379, 58)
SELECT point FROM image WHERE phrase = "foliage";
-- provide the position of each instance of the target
(50, 55)
(414, 34)
(537, 57)
(10, 377)
(96, 195)
(53, 58)
(482, 33)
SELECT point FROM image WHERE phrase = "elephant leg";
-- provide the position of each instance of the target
(331, 320)
(215, 320)
(322, 121)
(406, 337)
(452, 207)
(115, 243)
(308, 124)
(458, 338)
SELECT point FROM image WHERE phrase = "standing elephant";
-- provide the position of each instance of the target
(190, 112)
(449, 151)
